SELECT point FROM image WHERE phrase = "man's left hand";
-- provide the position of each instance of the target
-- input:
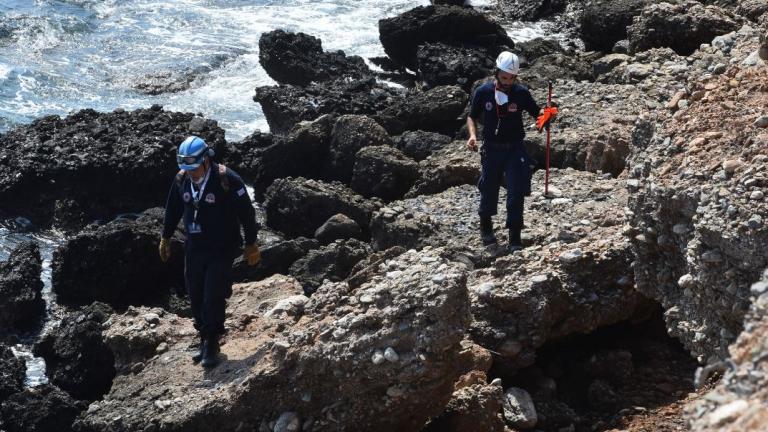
(252, 254)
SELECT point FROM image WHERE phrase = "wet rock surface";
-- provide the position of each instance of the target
(346, 358)
(12, 372)
(99, 264)
(87, 157)
(77, 360)
(403, 34)
(298, 207)
(22, 306)
(298, 58)
(698, 208)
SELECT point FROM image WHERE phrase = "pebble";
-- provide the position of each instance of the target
(756, 195)
(731, 165)
(287, 422)
(391, 355)
(712, 256)
(727, 413)
(755, 222)
(395, 392)
(378, 357)
(761, 122)
(680, 229)
(151, 318)
(571, 256)
(163, 347)
(686, 281)
(519, 410)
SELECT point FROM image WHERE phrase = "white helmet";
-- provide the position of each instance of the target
(508, 62)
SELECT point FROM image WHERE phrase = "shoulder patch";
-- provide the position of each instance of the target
(241, 192)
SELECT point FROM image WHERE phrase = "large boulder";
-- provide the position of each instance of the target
(530, 10)
(401, 35)
(531, 50)
(332, 262)
(699, 211)
(381, 356)
(418, 145)
(683, 26)
(384, 172)
(261, 158)
(298, 58)
(436, 110)
(76, 359)
(118, 263)
(474, 408)
(604, 22)
(12, 372)
(298, 207)
(285, 105)
(275, 258)
(556, 66)
(350, 134)
(441, 64)
(87, 158)
(21, 305)
(453, 165)
(338, 227)
(45, 408)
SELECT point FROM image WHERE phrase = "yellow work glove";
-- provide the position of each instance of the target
(252, 254)
(164, 249)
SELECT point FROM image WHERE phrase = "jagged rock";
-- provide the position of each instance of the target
(697, 252)
(682, 27)
(475, 408)
(350, 134)
(338, 227)
(178, 80)
(604, 22)
(418, 145)
(39, 409)
(261, 158)
(737, 403)
(333, 262)
(88, 156)
(530, 10)
(314, 361)
(450, 166)
(519, 410)
(751, 9)
(275, 258)
(118, 263)
(285, 105)
(435, 110)
(562, 66)
(594, 129)
(530, 51)
(298, 58)
(12, 373)
(22, 305)
(383, 172)
(440, 64)
(297, 206)
(76, 359)
(401, 35)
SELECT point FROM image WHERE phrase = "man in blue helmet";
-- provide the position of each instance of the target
(214, 204)
(499, 105)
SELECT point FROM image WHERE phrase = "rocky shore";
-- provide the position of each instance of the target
(638, 302)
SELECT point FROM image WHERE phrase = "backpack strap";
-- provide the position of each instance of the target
(180, 178)
(223, 178)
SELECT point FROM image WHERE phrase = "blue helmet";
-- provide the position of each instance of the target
(192, 153)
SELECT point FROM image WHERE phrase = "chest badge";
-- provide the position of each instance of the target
(512, 107)
(488, 106)
(186, 197)
(210, 198)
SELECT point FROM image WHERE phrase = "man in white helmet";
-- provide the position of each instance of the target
(499, 105)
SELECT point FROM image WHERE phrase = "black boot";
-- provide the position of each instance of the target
(211, 357)
(515, 243)
(201, 352)
(486, 231)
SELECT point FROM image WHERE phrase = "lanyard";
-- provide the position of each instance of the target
(199, 194)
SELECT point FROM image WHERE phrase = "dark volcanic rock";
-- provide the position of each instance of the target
(333, 262)
(22, 305)
(402, 35)
(350, 134)
(474, 408)
(285, 105)
(569, 67)
(275, 259)
(604, 22)
(682, 27)
(441, 64)
(530, 10)
(39, 409)
(297, 206)
(338, 227)
(12, 373)
(75, 356)
(384, 172)
(420, 144)
(118, 263)
(435, 110)
(531, 50)
(453, 165)
(88, 157)
(298, 58)
(262, 157)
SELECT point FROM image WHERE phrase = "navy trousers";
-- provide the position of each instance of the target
(208, 275)
(514, 162)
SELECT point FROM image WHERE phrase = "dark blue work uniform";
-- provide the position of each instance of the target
(212, 223)
(503, 151)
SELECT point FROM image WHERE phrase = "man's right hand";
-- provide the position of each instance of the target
(164, 249)
(472, 144)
